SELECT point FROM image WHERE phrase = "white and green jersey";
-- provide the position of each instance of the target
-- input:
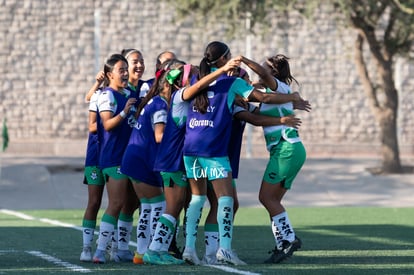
(273, 134)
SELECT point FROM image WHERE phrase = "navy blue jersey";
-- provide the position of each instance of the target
(114, 142)
(138, 160)
(170, 152)
(208, 135)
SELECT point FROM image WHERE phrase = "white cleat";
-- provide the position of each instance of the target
(190, 256)
(209, 259)
(228, 257)
(86, 255)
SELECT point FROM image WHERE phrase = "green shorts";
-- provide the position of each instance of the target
(210, 168)
(286, 159)
(171, 178)
(93, 175)
(114, 172)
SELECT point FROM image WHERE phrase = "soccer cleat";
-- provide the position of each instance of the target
(209, 259)
(279, 255)
(166, 257)
(99, 257)
(86, 255)
(228, 257)
(190, 256)
(160, 258)
(276, 257)
(290, 247)
(152, 257)
(174, 250)
(123, 256)
(138, 258)
(112, 251)
(108, 247)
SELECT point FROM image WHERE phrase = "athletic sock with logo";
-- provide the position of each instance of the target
(211, 238)
(163, 233)
(106, 228)
(88, 231)
(284, 230)
(193, 216)
(157, 209)
(124, 231)
(225, 221)
(143, 226)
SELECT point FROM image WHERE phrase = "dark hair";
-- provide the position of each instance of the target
(172, 64)
(214, 51)
(128, 52)
(159, 81)
(279, 65)
(109, 66)
(158, 62)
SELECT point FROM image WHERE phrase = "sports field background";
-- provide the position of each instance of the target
(336, 240)
(350, 221)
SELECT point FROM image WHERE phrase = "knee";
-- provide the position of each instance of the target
(263, 198)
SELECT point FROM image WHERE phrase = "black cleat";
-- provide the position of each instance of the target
(174, 250)
(287, 251)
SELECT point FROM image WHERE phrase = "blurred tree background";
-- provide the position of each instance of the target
(385, 32)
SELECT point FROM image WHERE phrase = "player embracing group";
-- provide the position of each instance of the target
(170, 143)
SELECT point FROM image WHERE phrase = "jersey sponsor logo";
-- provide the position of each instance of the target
(210, 109)
(132, 122)
(137, 125)
(200, 123)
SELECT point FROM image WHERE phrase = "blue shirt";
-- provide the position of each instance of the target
(208, 135)
(114, 142)
(170, 152)
(139, 157)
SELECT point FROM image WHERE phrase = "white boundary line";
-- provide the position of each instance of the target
(59, 262)
(232, 270)
(78, 268)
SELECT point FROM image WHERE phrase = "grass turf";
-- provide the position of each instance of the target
(348, 240)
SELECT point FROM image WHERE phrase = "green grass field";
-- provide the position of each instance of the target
(351, 240)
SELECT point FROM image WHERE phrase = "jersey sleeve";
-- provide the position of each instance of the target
(159, 116)
(93, 103)
(239, 87)
(107, 102)
(179, 108)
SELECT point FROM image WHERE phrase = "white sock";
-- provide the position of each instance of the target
(105, 233)
(211, 240)
(124, 234)
(87, 236)
(157, 209)
(163, 233)
(143, 228)
(284, 227)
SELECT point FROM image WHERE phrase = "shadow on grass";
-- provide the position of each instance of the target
(353, 249)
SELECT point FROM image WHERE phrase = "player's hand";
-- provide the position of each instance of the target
(100, 77)
(291, 121)
(303, 105)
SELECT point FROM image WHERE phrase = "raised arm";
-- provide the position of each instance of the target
(267, 79)
(99, 80)
(203, 83)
